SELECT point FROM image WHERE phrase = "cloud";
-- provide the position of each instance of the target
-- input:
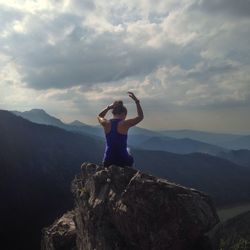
(62, 49)
(58, 52)
(189, 54)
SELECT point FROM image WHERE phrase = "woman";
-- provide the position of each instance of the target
(116, 130)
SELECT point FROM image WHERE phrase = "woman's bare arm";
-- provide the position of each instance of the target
(102, 114)
(133, 121)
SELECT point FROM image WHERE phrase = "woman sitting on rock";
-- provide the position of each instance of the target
(116, 130)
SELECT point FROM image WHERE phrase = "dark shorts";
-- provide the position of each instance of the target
(128, 161)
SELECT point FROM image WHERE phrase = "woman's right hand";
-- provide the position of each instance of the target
(111, 106)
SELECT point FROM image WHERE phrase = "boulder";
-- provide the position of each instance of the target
(122, 208)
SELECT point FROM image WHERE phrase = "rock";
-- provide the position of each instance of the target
(61, 235)
(122, 208)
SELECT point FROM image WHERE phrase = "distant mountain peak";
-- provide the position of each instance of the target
(77, 123)
(37, 111)
(40, 116)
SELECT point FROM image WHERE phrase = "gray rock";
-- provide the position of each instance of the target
(61, 235)
(122, 208)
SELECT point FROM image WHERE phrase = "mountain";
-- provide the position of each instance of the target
(180, 146)
(40, 116)
(82, 128)
(77, 123)
(242, 142)
(241, 157)
(137, 134)
(42, 145)
(138, 137)
(143, 131)
(219, 139)
(124, 209)
(37, 163)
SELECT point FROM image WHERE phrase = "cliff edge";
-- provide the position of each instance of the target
(125, 209)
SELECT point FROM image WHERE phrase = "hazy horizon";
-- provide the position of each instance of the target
(95, 123)
(188, 61)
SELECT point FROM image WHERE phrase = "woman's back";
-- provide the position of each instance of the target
(116, 133)
(116, 146)
(115, 139)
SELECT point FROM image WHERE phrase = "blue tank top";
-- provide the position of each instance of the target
(116, 146)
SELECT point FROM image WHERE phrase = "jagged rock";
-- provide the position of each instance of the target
(125, 209)
(61, 235)
(122, 208)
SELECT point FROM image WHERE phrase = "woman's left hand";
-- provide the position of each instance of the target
(131, 94)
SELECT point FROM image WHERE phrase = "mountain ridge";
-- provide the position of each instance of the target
(37, 164)
(39, 116)
(138, 136)
(180, 146)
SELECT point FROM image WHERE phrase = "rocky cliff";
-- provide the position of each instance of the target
(125, 209)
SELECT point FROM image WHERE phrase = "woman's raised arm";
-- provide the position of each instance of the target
(102, 114)
(133, 121)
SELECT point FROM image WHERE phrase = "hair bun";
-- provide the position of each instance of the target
(119, 108)
(118, 103)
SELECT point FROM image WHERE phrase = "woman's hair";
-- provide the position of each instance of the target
(119, 108)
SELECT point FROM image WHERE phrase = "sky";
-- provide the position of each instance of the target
(188, 61)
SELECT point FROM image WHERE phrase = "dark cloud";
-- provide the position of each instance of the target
(238, 8)
(73, 65)
(78, 56)
(208, 71)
